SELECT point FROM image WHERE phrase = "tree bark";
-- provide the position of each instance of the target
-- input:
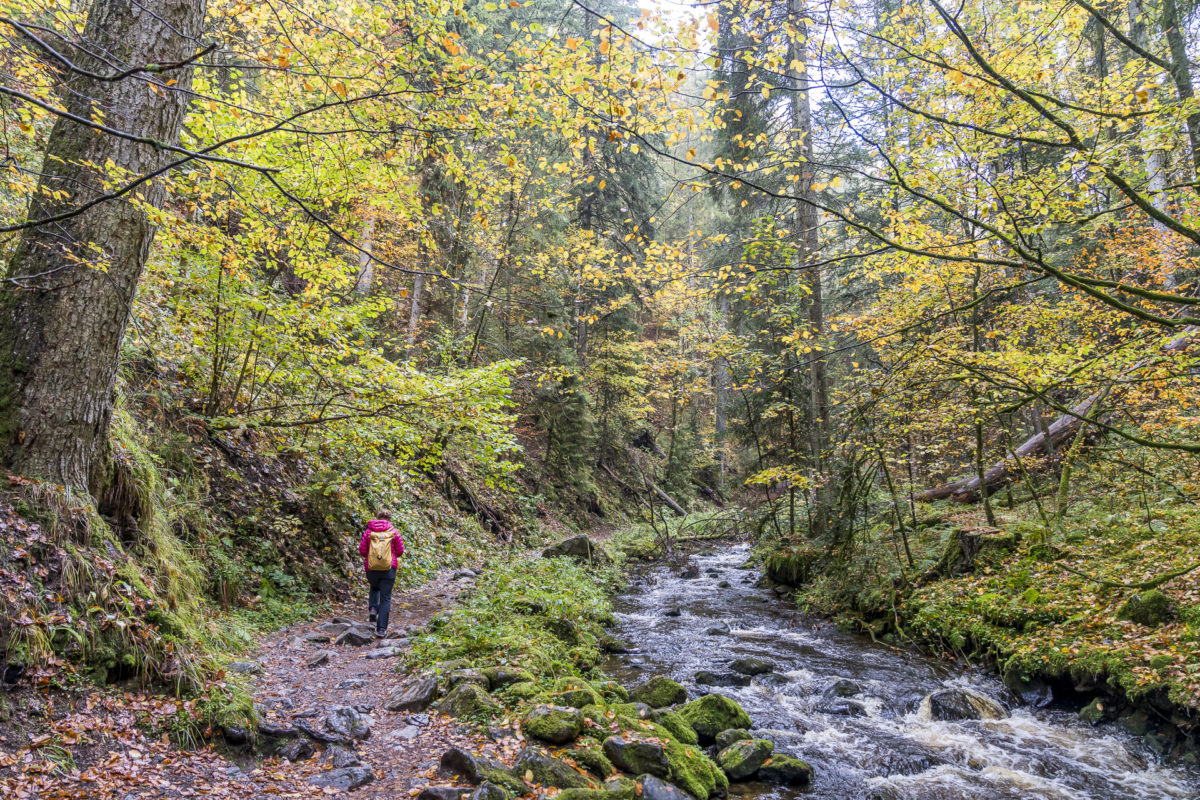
(71, 284)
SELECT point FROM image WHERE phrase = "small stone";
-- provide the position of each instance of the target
(332, 629)
(344, 779)
(673, 612)
(341, 757)
(317, 659)
(415, 694)
(246, 668)
(385, 652)
(235, 735)
(355, 637)
(353, 683)
(724, 585)
(843, 688)
(277, 730)
(408, 733)
(316, 637)
(1094, 712)
(474, 676)
(490, 791)
(717, 630)
(347, 722)
(843, 707)
(420, 720)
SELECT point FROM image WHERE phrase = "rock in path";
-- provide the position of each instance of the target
(317, 659)
(344, 779)
(347, 722)
(355, 637)
(415, 694)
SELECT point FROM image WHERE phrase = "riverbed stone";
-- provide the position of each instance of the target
(476, 769)
(612, 691)
(635, 755)
(728, 737)
(443, 792)
(673, 612)
(1095, 712)
(415, 694)
(537, 766)
(751, 666)
(708, 678)
(787, 770)
(717, 630)
(742, 759)
(843, 688)
(712, 714)
(553, 724)
(950, 705)
(468, 699)
(693, 771)
(580, 548)
(657, 789)
(1151, 608)
(659, 692)
(576, 693)
(843, 706)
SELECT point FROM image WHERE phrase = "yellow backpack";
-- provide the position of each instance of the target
(379, 557)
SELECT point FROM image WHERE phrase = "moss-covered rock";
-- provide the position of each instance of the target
(787, 770)
(474, 676)
(553, 724)
(726, 738)
(611, 691)
(478, 769)
(636, 755)
(591, 757)
(676, 724)
(693, 771)
(591, 794)
(538, 767)
(1151, 608)
(526, 690)
(742, 759)
(1095, 712)
(576, 693)
(468, 700)
(580, 548)
(659, 692)
(712, 714)
(623, 785)
(507, 676)
(636, 710)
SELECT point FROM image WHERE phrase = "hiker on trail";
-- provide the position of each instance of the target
(381, 545)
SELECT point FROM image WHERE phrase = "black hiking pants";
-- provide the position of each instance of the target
(379, 600)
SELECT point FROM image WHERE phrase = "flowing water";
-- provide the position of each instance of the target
(877, 743)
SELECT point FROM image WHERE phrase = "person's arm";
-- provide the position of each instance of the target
(397, 546)
(364, 546)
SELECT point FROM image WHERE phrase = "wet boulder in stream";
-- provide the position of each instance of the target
(742, 759)
(706, 678)
(751, 666)
(726, 738)
(953, 705)
(787, 770)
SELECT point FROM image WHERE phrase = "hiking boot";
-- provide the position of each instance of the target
(380, 634)
(372, 617)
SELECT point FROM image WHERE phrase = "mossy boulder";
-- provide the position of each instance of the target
(536, 766)
(623, 785)
(726, 738)
(1151, 608)
(787, 770)
(553, 724)
(657, 789)
(576, 693)
(611, 691)
(591, 757)
(474, 676)
(468, 700)
(712, 714)
(580, 548)
(490, 791)
(659, 692)
(507, 676)
(742, 759)
(693, 771)
(966, 548)
(477, 769)
(676, 724)
(526, 690)
(1095, 712)
(1161, 661)
(636, 710)
(591, 794)
(636, 755)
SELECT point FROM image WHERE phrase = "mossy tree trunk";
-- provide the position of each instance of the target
(71, 282)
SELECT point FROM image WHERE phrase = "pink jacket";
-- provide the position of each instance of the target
(377, 525)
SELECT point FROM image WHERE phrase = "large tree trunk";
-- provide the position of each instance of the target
(71, 283)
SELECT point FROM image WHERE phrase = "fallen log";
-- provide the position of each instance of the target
(1060, 432)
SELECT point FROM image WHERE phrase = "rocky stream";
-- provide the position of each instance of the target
(875, 722)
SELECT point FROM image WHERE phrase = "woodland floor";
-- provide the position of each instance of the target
(95, 743)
